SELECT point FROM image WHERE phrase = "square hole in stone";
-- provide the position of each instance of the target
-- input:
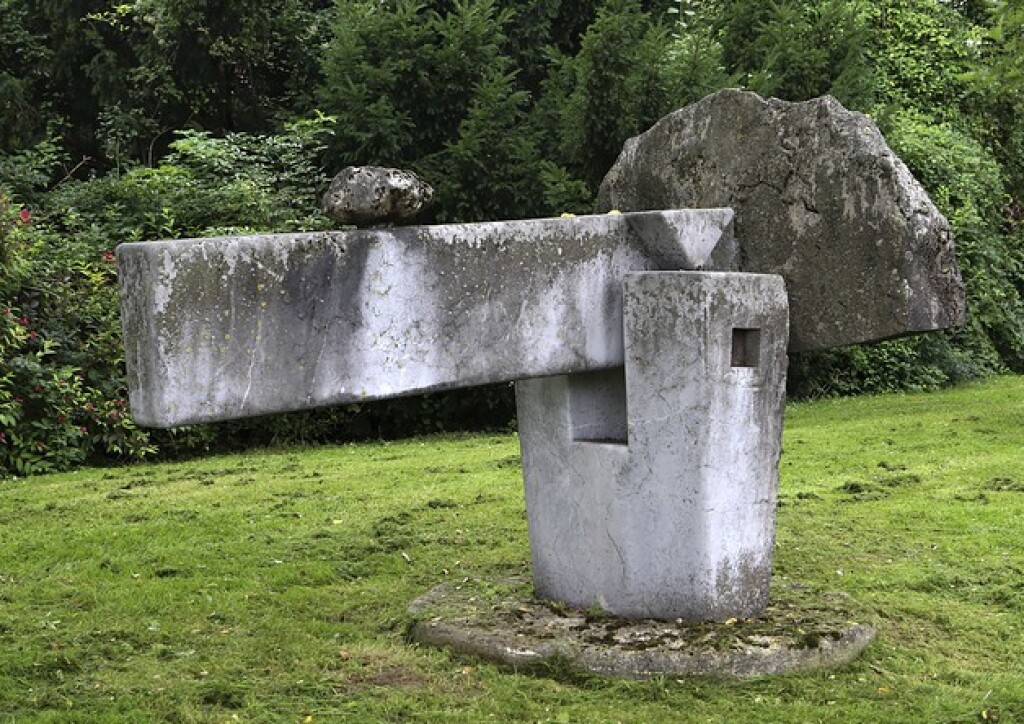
(597, 406)
(746, 347)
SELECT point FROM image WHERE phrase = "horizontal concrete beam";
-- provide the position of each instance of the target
(231, 327)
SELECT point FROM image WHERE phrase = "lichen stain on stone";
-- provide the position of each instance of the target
(742, 586)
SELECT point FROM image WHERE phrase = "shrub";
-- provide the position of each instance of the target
(616, 88)
(62, 391)
(799, 50)
(205, 186)
(401, 76)
(53, 413)
(966, 183)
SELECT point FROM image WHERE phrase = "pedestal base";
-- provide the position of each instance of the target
(801, 631)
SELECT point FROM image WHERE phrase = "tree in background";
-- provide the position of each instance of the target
(616, 88)
(118, 79)
(400, 77)
(999, 76)
(694, 61)
(24, 57)
(435, 90)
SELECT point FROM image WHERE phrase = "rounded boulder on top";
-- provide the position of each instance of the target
(375, 195)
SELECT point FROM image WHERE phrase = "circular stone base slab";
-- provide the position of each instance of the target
(502, 622)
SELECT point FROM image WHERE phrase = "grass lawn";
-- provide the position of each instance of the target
(272, 586)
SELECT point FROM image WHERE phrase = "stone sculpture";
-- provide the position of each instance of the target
(650, 358)
(641, 386)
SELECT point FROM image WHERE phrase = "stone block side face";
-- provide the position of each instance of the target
(142, 357)
(679, 522)
(820, 199)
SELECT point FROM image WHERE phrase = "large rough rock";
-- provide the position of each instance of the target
(819, 198)
(374, 195)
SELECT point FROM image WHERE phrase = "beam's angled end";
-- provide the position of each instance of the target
(687, 238)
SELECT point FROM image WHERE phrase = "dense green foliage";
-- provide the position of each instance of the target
(155, 119)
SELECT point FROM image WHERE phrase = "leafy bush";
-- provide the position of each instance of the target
(62, 389)
(204, 187)
(884, 367)
(62, 393)
(923, 52)
(55, 413)
(966, 184)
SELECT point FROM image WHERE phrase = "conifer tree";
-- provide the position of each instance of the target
(400, 76)
(617, 88)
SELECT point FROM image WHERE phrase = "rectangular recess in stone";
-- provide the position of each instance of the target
(597, 406)
(746, 347)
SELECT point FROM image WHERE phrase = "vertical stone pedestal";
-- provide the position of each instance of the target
(651, 489)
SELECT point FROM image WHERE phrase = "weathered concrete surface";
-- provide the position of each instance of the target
(650, 491)
(819, 198)
(372, 195)
(232, 327)
(500, 621)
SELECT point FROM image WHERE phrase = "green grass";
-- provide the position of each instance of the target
(272, 586)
